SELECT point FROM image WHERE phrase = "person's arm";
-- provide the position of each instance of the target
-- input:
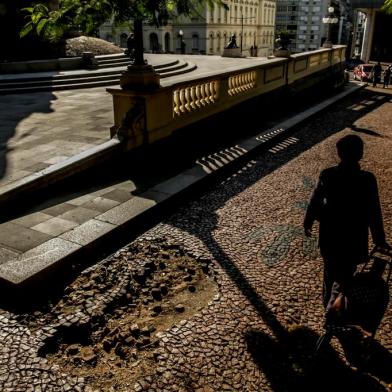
(315, 205)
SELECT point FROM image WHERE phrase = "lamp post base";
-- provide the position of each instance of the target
(140, 77)
(282, 53)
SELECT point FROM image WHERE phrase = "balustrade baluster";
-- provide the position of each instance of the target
(193, 98)
(182, 100)
(187, 99)
(203, 95)
(207, 93)
(198, 96)
(216, 90)
(176, 110)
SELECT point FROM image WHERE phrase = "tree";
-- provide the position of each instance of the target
(387, 7)
(51, 21)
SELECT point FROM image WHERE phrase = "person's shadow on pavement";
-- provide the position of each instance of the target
(294, 365)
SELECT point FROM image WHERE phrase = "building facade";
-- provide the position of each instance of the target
(376, 43)
(303, 20)
(252, 21)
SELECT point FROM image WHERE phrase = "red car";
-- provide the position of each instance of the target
(364, 72)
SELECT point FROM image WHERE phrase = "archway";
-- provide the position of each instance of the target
(154, 43)
(195, 42)
(167, 42)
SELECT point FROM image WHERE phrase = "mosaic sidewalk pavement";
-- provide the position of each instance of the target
(259, 334)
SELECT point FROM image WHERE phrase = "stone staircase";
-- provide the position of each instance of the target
(108, 73)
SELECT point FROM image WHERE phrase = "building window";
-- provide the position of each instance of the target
(195, 41)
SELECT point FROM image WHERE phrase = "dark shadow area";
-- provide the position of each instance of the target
(13, 110)
(293, 365)
(365, 131)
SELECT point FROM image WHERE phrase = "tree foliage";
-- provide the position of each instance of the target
(387, 7)
(88, 15)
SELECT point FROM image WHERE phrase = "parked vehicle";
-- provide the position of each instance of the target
(350, 64)
(363, 72)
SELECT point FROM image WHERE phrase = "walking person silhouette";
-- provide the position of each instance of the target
(346, 204)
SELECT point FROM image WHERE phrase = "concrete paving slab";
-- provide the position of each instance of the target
(88, 232)
(36, 260)
(119, 195)
(58, 209)
(32, 219)
(126, 211)
(79, 215)
(100, 204)
(19, 238)
(55, 226)
(6, 255)
(84, 198)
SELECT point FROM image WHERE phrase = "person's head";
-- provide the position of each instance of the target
(350, 148)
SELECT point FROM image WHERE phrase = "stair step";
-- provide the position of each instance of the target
(48, 83)
(173, 68)
(165, 65)
(85, 80)
(56, 87)
(191, 67)
(123, 64)
(112, 60)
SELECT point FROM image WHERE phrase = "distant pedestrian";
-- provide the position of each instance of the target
(387, 76)
(346, 204)
(377, 69)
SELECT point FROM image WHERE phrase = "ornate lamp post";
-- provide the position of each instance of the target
(329, 19)
(139, 75)
(182, 43)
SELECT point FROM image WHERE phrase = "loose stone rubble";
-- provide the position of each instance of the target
(259, 332)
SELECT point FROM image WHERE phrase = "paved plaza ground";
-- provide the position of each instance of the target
(38, 130)
(259, 332)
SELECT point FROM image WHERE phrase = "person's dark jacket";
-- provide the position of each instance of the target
(346, 204)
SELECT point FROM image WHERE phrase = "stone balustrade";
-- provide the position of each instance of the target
(144, 117)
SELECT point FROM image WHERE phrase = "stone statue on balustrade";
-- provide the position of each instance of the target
(232, 44)
(232, 49)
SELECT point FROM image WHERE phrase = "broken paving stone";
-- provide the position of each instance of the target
(73, 349)
(135, 330)
(179, 308)
(157, 309)
(156, 294)
(164, 289)
(88, 355)
(130, 341)
(107, 345)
